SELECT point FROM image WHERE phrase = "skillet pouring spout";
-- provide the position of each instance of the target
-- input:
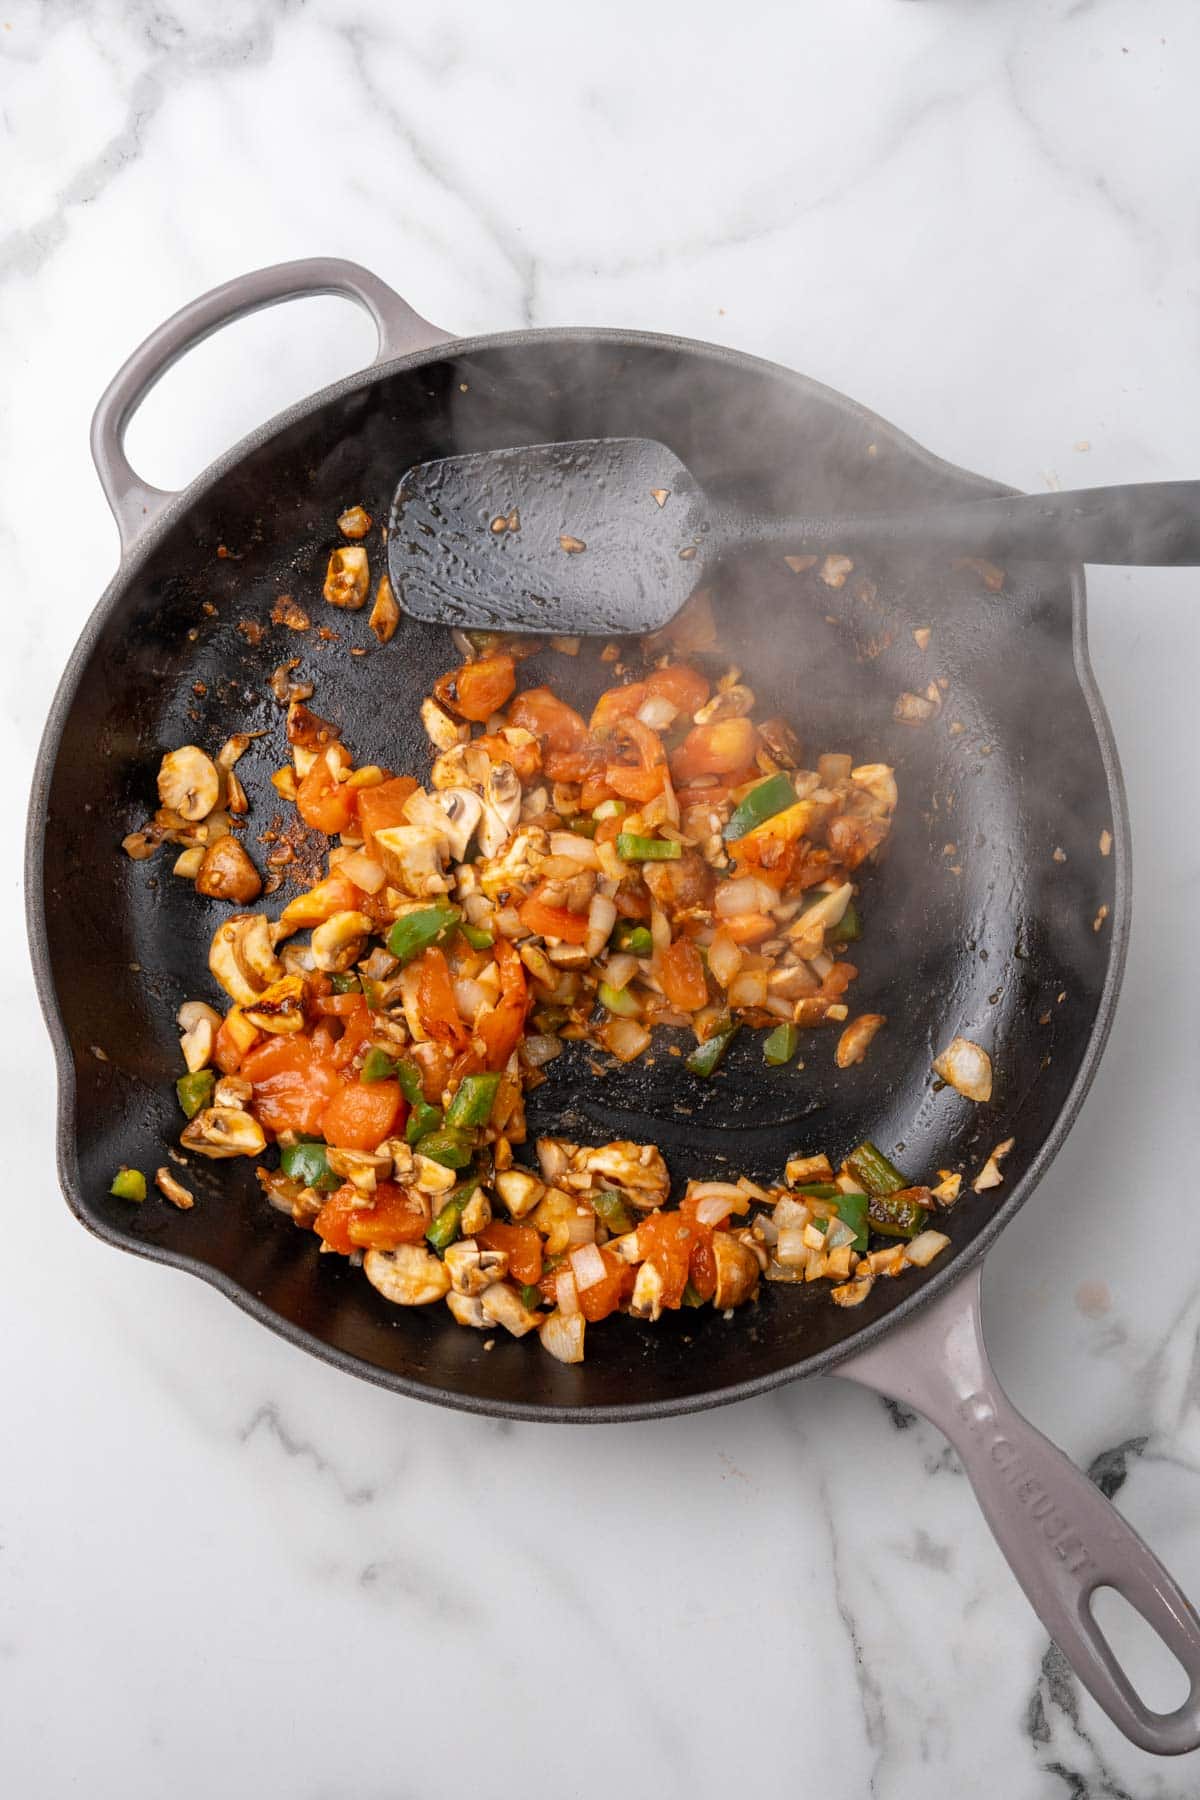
(1059, 1535)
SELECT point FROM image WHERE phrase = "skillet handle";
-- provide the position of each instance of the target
(135, 504)
(1061, 1537)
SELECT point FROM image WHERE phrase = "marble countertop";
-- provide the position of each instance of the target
(224, 1567)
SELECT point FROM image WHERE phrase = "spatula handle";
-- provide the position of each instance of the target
(1147, 523)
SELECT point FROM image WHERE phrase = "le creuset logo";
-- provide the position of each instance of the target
(979, 1413)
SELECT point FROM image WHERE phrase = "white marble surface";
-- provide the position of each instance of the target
(224, 1568)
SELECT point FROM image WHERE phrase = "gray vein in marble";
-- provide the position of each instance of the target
(267, 1422)
(870, 1693)
(187, 56)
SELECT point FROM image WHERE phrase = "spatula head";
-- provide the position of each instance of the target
(602, 535)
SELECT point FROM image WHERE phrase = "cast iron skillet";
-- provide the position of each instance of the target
(993, 937)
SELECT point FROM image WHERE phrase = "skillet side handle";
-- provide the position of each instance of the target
(135, 504)
(1061, 1537)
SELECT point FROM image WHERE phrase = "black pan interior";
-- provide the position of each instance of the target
(980, 919)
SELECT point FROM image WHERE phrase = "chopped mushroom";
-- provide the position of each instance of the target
(188, 782)
(443, 732)
(409, 1275)
(519, 1190)
(504, 1306)
(199, 1024)
(989, 1176)
(279, 1009)
(737, 1270)
(562, 1335)
(472, 1269)
(834, 570)
(467, 1311)
(347, 577)
(173, 1190)
(385, 613)
(856, 1039)
(355, 522)
(338, 943)
(221, 1131)
(242, 959)
(966, 1068)
(227, 873)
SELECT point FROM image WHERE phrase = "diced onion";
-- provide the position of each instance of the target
(792, 1213)
(578, 849)
(660, 929)
(562, 1336)
(745, 895)
(540, 1048)
(507, 922)
(582, 1228)
(967, 1068)
(766, 1228)
(565, 1292)
(625, 1038)
(724, 957)
(364, 872)
(791, 1249)
(620, 969)
(658, 712)
(470, 997)
(587, 1266)
(839, 1234)
(925, 1246)
(602, 916)
(713, 1210)
(749, 988)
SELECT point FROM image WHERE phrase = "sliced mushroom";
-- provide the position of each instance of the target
(361, 1167)
(410, 1275)
(504, 1306)
(242, 958)
(188, 863)
(279, 1009)
(477, 1213)
(467, 1311)
(340, 941)
(385, 614)
(173, 1190)
(227, 873)
(432, 1177)
(472, 1269)
(455, 812)
(646, 1299)
(880, 782)
(347, 577)
(501, 808)
(231, 1090)
(412, 857)
(442, 731)
(519, 1190)
(188, 782)
(221, 1131)
(199, 1024)
(737, 1271)
(637, 1169)
(729, 703)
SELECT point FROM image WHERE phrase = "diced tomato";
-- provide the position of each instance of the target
(617, 703)
(681, 975)
(396, 1217)
(338, 1006)
(702, 1264)
(522, 1244)
(323, 802)
(383, 806)
(635, 784)
(363, 1113)
(435, 1061)
(501, 1029)
(526, 759)
(337, 893)
(632, 902)
(666, 1240)
(332, 1223)
(750, 928)
(230, 1044)
(478, 689)
(716, 749)
(357, 1027)
(604, 1296)
(686, 688)
(435, 1000)
(553, 921)
(294, 1080)
(558, 725)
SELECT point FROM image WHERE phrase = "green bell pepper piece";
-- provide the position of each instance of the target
(129, 1184)
(765, 799)
(612, 1211)
(195, 1091)
(422, 1120)
(476, 936)
(896, 1215)
(628, 935)
(691, 1297)
(618, 1000)
(377, 1065)
(450, 1148)
(872, 1170)
(632, 847)
(848, 929)
(442, 1233)
(852, 1211)
(346, 984)
(472, 1103)
(307, 1163)
(781, 1045)
(706, 1057)
(819, 1190)
(416, 931)
(583, 827)
(531, 1297)
(411, 1085)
